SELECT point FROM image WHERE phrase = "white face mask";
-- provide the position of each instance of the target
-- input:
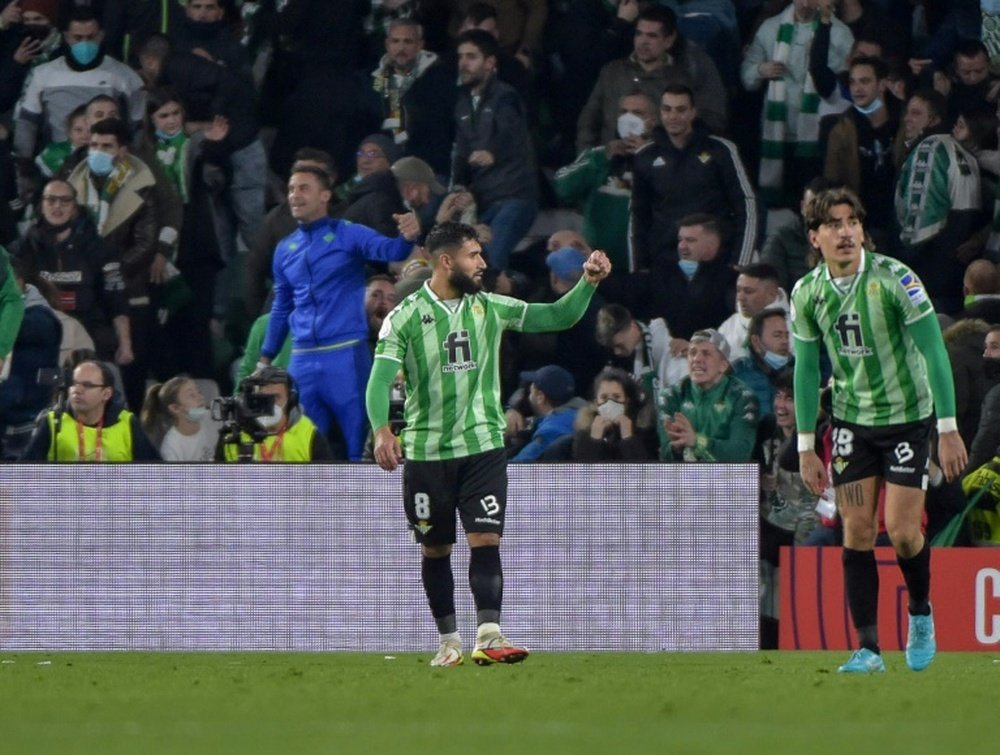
(630, 124)
(197, 413)
(272, 420)
(611, 409)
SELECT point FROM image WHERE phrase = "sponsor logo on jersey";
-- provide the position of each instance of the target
(427, 320)
(913, 288)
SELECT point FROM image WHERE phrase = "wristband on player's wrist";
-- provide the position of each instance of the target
(947, 425)
(807, 442)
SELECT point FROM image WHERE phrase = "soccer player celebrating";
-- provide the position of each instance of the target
(891, 373)
(446, 339)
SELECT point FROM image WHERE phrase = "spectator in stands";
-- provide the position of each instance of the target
(184, 166)
(770, 356)
(286, 434)
(657, 360)
(380, 298)
(64, 248)
(251, 350)
(708, 416)
(981, 287)
(859, 149)
(519, 26)
(757, 289)
(93, 424)
(205, 32)
(599, 181)
(698, 290)
(550, 393)
(685, 171)
(60, 86)
(787, 250)
(319, 299)
(12, 309)
(39, 42)
(660, 58)
(117, 189)
(414, 88)
(374, 196)
(574, 349)
(987, 440)
(937, 200)
(422, 193)
(964, 342)
(35, 347)
(787, 508)
(52, 157)
(609, 427)
(780, 55)
(209, 90)
(492, 156)
(176, 415)
(970, 85)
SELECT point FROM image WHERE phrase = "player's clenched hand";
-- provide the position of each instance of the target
(597, 267)
(952, 455)
(388, 451)
(813, 472)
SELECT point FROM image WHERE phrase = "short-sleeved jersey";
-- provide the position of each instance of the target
(450, 356)
(880, 377)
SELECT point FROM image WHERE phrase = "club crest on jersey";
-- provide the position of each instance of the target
(914, 289)
(840, 464)
(423, 527)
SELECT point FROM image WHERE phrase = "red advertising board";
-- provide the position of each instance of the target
(965, 592)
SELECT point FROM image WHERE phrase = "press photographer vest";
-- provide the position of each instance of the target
(295, 444)
(79, 442)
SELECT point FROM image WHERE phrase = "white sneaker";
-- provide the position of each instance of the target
(449, 654)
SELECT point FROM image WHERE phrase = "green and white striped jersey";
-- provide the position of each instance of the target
(450, 355)
(880, 376)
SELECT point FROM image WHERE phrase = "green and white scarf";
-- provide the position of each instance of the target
(775, 127)
(938, 176)
(172, 155)
(98, 201)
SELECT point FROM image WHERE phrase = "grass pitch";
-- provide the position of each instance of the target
(771, 702)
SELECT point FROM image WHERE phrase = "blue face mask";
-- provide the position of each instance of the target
(873, 107)
(100, 163)
(775, 361)
(688, 267)
(84, 53)
(167, 136)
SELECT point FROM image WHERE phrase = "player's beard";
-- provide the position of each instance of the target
(463, 283)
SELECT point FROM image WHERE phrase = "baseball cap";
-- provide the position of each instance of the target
(714, 337)
(416, 170)
(389, 148)
(566, 262)
(554, 381)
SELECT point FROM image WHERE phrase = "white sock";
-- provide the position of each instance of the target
(489, 629)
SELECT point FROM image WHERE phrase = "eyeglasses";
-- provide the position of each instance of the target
(58, 199)
(87, 385)
(370, 153)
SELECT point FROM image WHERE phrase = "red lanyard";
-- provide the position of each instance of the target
(82, 446)
(267, 455)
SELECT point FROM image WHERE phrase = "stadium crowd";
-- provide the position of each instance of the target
(164, 161)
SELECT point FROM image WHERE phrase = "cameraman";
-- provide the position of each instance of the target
(93, 425)
(282, 434)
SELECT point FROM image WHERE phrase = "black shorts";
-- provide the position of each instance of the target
(896, 453)
(475, 486)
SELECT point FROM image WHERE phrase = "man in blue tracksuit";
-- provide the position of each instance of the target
(319, 285)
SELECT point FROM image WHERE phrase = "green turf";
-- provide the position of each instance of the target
(552, 703)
